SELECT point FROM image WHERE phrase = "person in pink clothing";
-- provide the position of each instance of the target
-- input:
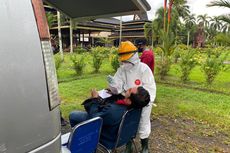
(147, 55)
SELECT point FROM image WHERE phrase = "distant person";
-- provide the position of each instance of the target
(147, 56)
(111, 111)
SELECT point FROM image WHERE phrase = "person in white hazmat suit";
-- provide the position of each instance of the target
(133, 73)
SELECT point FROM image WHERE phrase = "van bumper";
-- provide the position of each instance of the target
(54, 146)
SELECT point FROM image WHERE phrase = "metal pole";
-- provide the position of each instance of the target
(120, 30)
(59, 35)
(71, 35)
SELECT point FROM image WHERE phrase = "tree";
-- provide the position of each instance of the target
(190, 21)
(222, 3)
(216, 23)
(182, 8)
(204, 19)
(51, 19)
(225, 28)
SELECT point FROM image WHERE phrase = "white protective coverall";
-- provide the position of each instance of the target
(138, 75)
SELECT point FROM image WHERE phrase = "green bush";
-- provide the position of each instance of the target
(98, 54)
(213, 64)
(79, 50)
(167, 49)
(177, 51)
(114, 58)
(176, 55)
(58, 62)
(163, 67)
(187, 63)
(78, 63)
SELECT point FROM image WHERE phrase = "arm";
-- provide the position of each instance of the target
(117, 84)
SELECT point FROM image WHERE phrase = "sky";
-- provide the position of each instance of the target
(197, 7)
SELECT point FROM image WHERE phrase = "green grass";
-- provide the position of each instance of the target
(213, 109)
(66, 71)
(73, 93)
(197, 79)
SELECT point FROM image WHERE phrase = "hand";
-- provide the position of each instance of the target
(94, 93)
(108, 91)
(110, 79)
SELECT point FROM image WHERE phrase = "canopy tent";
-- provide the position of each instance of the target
(91, 9)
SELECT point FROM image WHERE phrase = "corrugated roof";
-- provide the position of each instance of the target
(92, 9)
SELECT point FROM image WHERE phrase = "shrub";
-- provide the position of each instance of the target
(167, 49)
(78, 63)
(176, 55)
(213, 64)
(79, 50)
(98, 56)
(114, 58)
(58, 63)
(163, 67)
(187, 63)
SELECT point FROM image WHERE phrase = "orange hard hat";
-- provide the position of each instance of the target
(126, 50)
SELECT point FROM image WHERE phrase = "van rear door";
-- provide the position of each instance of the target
(26, 120)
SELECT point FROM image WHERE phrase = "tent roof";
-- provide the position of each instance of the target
(92, 9)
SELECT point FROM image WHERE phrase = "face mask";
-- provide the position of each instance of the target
(140, 50)
(127, 66)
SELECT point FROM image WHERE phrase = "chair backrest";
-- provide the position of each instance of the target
(128, 127)
(85, 136)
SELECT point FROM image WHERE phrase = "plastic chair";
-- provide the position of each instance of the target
(85, 136)
(127, 130)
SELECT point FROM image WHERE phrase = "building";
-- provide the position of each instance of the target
(89, 33)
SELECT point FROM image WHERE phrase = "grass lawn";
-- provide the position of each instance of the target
(213, 109)
(185, 120)
(197, 79)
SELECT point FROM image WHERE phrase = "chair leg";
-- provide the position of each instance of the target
(102, 149)
(134, 145)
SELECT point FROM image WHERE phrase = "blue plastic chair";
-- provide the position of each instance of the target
(127, 130)
(85, 136)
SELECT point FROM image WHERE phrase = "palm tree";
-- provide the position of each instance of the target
(204, 19)
(182, 8)
(225, 28)
(222, 3)
(190, 21)
(51, 19)
(216, 23)
(225, 18)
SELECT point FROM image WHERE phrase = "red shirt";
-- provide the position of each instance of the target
(147, 57)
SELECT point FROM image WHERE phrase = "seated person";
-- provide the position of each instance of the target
(111, 111)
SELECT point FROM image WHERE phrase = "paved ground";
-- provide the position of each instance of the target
(183, 136)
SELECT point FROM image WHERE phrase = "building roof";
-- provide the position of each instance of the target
(108, 21)
(92, 9)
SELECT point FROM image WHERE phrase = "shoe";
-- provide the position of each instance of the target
(63, 122)
(144, 145)
(129, 147)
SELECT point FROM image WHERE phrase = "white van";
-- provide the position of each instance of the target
(29, 104)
